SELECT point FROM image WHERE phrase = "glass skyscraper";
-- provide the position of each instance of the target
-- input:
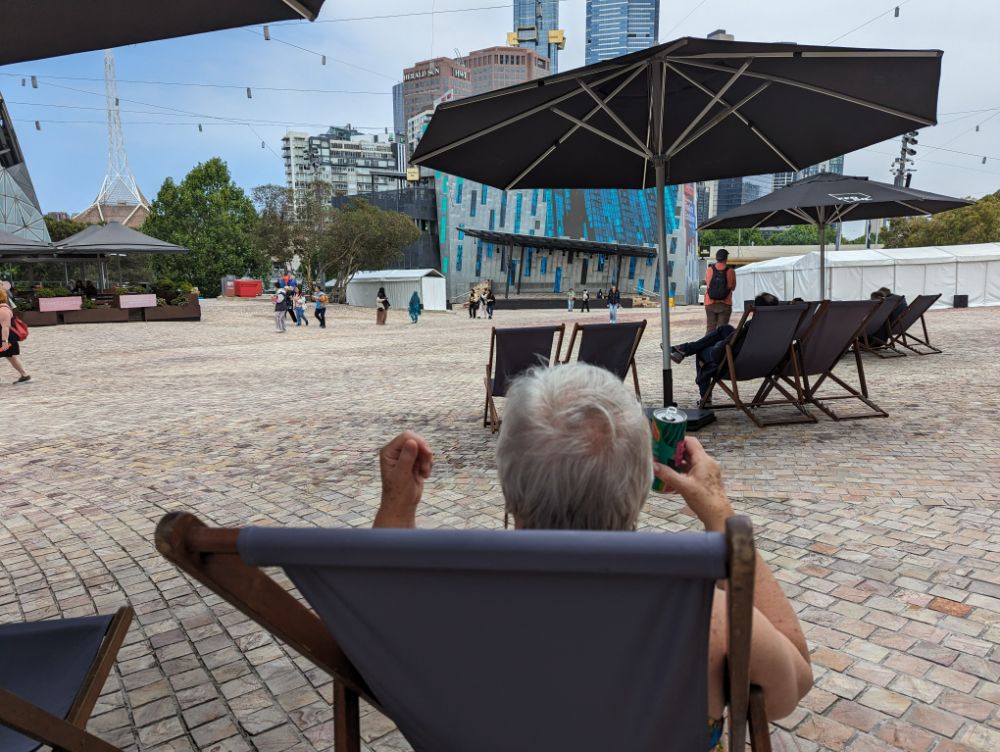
(533, 20)
(617, 27)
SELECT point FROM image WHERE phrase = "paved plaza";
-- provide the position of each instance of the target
(883, 532)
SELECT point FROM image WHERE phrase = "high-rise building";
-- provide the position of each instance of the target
(781, 179)
(19, 212)
(536, 27)
(497, 67)
(733, 192)
(398, 110)
(430, 79)
(617, 27)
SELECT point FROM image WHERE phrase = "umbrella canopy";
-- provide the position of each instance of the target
(827, 198)
(12, 245)
(100, 240)
(688, 110)
(49, 28)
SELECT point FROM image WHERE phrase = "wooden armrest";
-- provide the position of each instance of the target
(38, 724)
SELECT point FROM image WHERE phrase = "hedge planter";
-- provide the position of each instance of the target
(95, 316)
(141, 300)
(39, 318)
(68, 303)
(174, 313)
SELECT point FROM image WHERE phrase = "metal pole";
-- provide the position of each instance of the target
(661, 233)
(520, 271)
(822, 261)
(506, 291)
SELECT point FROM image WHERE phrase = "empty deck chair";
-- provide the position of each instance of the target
(902, 326)
(833, 331)
(760, 348)
(495, 641)
(873, 338)
(516, 349)
(610, 346)
(51, 674)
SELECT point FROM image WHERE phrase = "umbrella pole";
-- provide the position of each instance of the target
(822, 261)
(661, 236)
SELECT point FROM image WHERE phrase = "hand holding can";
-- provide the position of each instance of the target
(668, 426)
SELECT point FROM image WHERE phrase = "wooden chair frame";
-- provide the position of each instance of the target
(70, 733)
(631, 358)
(491, 417)
(770, 381)
(904, 339)
(210, 556)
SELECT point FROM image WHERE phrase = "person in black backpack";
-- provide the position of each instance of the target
(720, 280)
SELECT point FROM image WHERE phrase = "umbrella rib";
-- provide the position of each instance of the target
(711, 103)
(796, 211)
(611, 114)
(599, 132)
(299, 8)
(816, 89)
(758, 224)
(730, 109)
(913, 208)
(516, 118)
(842, 212)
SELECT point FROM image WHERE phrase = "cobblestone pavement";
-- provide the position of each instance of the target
(883, 532)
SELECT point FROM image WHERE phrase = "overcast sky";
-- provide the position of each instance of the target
(67, 160)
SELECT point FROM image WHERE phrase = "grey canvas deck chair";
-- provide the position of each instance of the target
(610, 346)
(51, 674)
(496, 641)
(902, 327)
(874, 338)
(831, 333)
(760, 348)
(513, 351)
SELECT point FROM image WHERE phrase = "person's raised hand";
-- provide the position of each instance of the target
(405, 463)
(699, 483)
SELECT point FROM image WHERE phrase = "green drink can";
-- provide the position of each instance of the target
(668, 425)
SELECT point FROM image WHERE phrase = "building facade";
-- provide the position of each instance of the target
(781, 179)
(536, 28)
(733, 192)
(398, 110)
(431, 79)
(19, 211)
(497, 67)
(618, 27)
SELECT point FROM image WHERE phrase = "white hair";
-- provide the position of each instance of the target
(574, 451)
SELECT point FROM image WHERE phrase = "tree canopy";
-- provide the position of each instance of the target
(979, 223)
(60, 229)
(209, 214)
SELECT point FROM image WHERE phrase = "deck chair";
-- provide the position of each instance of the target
(51, 674)
(610, 346)
(494, 641)
(872, 338)
(516, 349)
(901, 327)
(832, 332)
(807, 317)
(765, 350)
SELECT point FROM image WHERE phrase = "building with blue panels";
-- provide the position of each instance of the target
(618, 27)
(536, 27)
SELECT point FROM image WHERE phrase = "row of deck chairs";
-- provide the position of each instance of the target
(794, 348)
(479, 640)
(514, 350)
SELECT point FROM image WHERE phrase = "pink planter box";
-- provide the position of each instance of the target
(69, 303)
(137, 301)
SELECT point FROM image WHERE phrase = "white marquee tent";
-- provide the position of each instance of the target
(972, 270)
(399, 285)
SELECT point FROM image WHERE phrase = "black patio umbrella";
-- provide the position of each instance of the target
(687, 110)
(825, 199)
(34, 29)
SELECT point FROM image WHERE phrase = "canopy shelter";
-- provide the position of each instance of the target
(510, 241)
(100, 240)
(399, 284)
(12, 245)
(49, 28)
(827, 198)
(684, 111)
(972, 270)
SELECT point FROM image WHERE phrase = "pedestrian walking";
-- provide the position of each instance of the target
(290, 293)
(614, 300)
(720, 281)
(473, 303)
(600, 294)
(280, 301)
(381, 306)
(414, 307)
(12, 331)
(482, 305)
(570, 299)
(491, 301)
(320, 299)
(300, 309)
(586, 302)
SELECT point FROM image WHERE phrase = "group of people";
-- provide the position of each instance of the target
(291, 301)
(481, 303)
(382, 305)
(614, 301)
(87, 288)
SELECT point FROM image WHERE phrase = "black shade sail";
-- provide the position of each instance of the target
(101, 240)
(35, 29)
(572, 245)
(12, 245)
(708, 108)
(827, 198)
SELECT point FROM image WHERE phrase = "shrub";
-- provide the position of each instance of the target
(53, 292)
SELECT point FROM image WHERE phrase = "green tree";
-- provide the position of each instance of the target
(978, 223)
(363, 236)
(730, 238)
(311, 233)
(272, 235)
(802, 235)
(60, 229)
(212, 216)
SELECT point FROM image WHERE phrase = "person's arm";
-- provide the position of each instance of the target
(779, 660)
(404, 463)
(731, 279)
(5, 317)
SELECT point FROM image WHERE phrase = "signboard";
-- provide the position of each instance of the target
(413, 174)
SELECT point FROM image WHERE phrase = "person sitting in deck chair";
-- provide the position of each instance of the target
(710, 350)
(574, 454)
(885, 333)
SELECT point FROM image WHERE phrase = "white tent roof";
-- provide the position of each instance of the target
(864, 257)
(974, 251)
(396, 275)
(924, 255)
